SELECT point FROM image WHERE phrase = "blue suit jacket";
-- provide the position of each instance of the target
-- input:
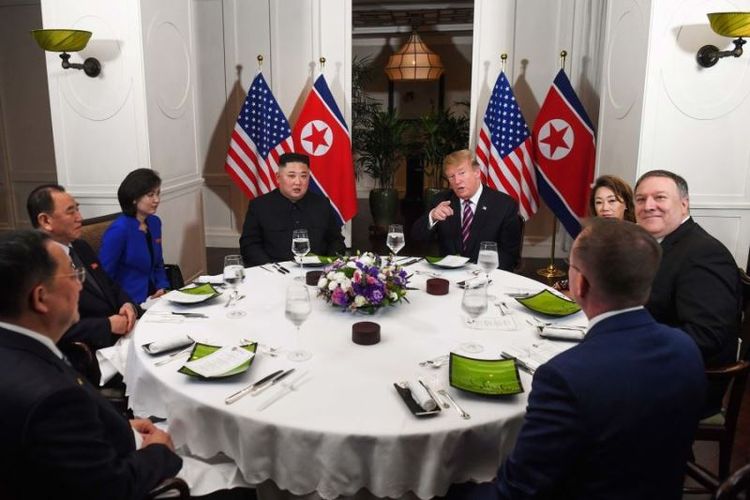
(61, 439)
(612, 418)
(125, 256)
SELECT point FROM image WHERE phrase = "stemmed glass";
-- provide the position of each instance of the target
(474, 304)
(234, 273)
(300, 247)
(395, 239)
(297, 308)
(488, 259)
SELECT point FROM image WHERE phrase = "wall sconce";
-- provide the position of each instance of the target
(68, 41)
(729, 24)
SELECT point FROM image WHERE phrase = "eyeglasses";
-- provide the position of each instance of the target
(78, 272)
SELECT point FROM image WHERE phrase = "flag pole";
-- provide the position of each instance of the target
(552, 271)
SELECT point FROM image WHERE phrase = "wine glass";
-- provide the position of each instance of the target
(300, 247)
(297, 308)
(474, 304)
(488, 259)
(234, 273)
(395, 239)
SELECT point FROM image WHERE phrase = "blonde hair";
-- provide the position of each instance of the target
(458, 157)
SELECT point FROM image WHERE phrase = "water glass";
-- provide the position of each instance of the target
(488, 258)
(297, 308)
(234, 273)
(300, 247)
(395, 240)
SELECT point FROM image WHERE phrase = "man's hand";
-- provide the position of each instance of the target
(128, 310)
(442, 211)
(158, 293)
(151, 434)
(118, 323)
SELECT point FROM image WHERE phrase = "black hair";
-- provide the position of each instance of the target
(24, 262)
(680, 182)
(136, 184)
(293, 158)
(40, 201)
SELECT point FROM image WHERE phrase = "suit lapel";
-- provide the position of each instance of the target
(94, 280)
(455, 223)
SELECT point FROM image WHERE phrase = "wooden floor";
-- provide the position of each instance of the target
(366, 237)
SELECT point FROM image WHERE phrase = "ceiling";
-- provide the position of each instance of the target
(369, 16)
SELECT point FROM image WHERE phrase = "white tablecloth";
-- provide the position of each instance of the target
(346, 428)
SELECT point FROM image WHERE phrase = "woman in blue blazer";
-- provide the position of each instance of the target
(131, 251)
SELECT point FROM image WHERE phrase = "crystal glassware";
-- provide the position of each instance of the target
(297, 308)
(488, 258)
(395, 240)
(474, 304)
(300, 247)
(234, 273)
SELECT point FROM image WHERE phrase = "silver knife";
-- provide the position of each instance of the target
(247, 390)
(190, 315)
(272, 382)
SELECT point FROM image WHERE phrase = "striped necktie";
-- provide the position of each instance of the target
(468, 217)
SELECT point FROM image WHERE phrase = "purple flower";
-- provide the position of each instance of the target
(338, 297)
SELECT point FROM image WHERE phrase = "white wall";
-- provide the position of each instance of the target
(139, 112)
(661, 110)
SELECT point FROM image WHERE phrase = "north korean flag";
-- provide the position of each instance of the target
(564, 154)
(321, 133)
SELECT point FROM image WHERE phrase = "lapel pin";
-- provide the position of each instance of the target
(484, 207)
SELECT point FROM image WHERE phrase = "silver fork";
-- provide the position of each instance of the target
(174, 355)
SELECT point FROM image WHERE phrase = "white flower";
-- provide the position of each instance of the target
(322, 282)
(381, 276)
(394, 296)
(360, 300)
(346, 283)
(332, 285)
(339, 277)
(366, 259)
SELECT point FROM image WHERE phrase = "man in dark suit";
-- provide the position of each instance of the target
(60, 438)
(271, 218)
(471, 213)
(614, 416)
(105, 309)
(697, 288)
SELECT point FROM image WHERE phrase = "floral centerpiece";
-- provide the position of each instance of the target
(363, 282)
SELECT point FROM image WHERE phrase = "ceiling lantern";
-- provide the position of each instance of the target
(415, 61)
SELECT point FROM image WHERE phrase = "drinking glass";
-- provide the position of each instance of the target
(395, 239)
(297, 308)
(474, 304)
(488, 259)
(300, 247)
(234, 273)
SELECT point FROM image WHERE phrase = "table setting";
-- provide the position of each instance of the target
(381, 413)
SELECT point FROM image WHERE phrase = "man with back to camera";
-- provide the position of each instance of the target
(697, 288)
(60, 437)
(105, 309)
(471, 213)
(614, 416)
(271, 218)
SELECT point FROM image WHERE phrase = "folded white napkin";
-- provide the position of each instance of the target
(112, 360)
(562, 333)
(422, 397)
(168, 343)
(217, 279)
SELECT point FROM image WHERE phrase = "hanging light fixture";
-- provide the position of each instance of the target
(415, 61)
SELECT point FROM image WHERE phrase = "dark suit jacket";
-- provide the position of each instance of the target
(697, 289)
(495, 219)
(126, 258)
(61, 439)
(95, 304)
(613, 417)
(270, 219)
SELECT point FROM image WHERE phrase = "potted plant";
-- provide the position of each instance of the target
(442, 133)
(380, 151)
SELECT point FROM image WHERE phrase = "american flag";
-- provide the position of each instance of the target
(260, 136)
(504, 149)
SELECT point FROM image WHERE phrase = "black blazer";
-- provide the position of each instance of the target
(495, 219)
(96, 303)
(270, 219)
(61, 439)
(697, 289)
(614, 417)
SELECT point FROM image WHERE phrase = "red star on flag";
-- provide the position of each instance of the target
(555, 139)
(316, 137)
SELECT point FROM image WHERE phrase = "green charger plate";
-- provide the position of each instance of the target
(548, 303)
(488, 377)
(203, 292)
(323, 260)
(202, 350)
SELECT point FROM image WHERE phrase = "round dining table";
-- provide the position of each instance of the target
(343, 429)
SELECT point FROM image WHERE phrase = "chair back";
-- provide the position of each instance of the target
(737, 484)
(93, 229)
(736, 375)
